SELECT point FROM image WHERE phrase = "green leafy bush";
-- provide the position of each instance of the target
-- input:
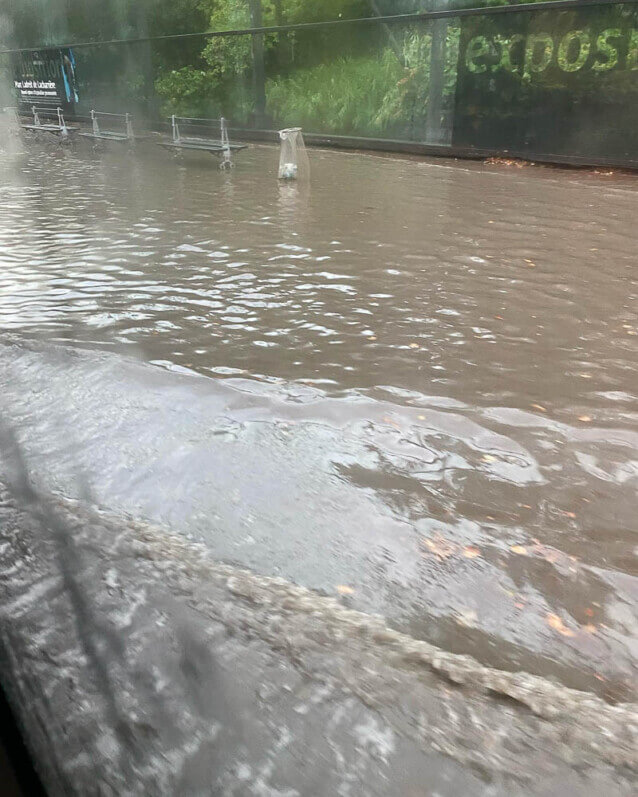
(346, 95)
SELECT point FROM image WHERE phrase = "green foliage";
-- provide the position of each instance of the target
(379, 88)
(186, 91)
(219, 76)
(235, 14)
(367, 79)
(230, 55)
(344, 95)
(201, 92)
(379, 96)
(175, 16)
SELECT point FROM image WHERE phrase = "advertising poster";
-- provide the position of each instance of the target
(46, 78)
(550, 83)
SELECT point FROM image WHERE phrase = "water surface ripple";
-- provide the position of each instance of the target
(422, 380)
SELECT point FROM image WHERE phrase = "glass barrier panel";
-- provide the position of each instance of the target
(546, 82)
(550, 82)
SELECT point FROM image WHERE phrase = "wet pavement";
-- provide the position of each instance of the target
(148, 668)
(411, 385)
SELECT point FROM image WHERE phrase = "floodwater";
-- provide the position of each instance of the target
(410, 383)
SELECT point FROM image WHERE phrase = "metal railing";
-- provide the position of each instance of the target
(126, 118)
(43, 111)
(202, 124)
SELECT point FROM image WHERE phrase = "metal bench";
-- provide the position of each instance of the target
(60, 127)
(103, 134)
(221, 147)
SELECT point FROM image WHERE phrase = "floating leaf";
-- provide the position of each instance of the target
(440, 547)
(590, 628)
(555, 622)
(343, 589)
(589, 612)
(519, 164)
(550, 555)
(414, 345)
(584, 418)
(385, 419)
(539, 407)
(471, 552)
(519, 549)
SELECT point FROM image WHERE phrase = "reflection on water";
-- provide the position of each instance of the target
(424, 379)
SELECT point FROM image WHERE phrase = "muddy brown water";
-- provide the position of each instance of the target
(420, 380)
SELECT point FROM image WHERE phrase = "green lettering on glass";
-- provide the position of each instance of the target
(538, 52)
(608, 50)
(567, 44)
(507, 45)
(632, 52)
(477, 48)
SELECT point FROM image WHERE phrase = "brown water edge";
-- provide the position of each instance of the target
(445, 354)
